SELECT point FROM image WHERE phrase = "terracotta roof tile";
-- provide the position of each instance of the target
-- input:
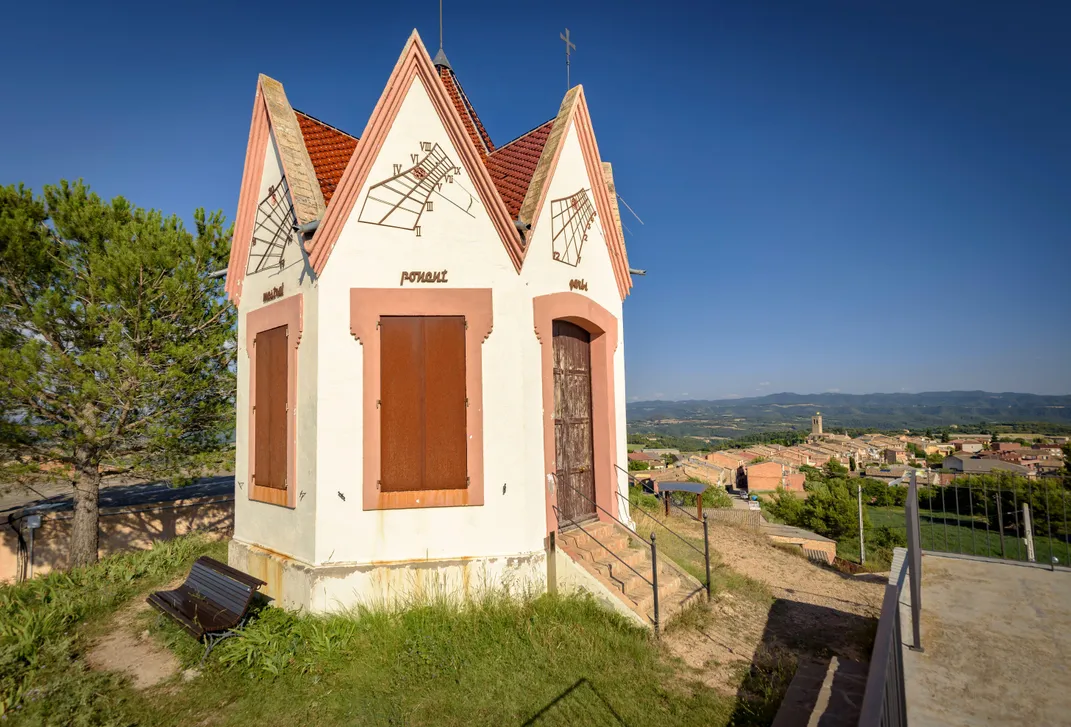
(330, 150)
(513, 165)
(480, 138)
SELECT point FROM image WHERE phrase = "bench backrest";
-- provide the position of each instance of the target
(211, 581)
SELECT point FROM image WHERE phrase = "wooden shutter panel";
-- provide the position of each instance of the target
(401, 403)
(422, 403)
(445, 461)
(270, 413)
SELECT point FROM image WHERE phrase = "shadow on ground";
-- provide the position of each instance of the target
(580, 704)
(802, 640)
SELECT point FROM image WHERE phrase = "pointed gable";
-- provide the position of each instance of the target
(329, 149)
(414, 65)
(326, 167)
(513, 165)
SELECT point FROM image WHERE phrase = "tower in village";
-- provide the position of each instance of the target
(431, 371)
(816, 424)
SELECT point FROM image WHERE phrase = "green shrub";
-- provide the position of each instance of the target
(831, 509)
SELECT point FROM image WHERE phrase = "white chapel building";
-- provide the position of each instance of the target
(431, 375)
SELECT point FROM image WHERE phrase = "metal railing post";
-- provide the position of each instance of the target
(706, 548)
(654, 580)
(862, 548)
(1028, 529)
(914, 557)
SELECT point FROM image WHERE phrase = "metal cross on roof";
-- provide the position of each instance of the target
(569, 46)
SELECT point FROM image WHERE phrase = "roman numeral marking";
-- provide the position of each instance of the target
(414, 158)
(429, 206)
(425, 146)
(457, 170)
(397, 168)
(417, 230)
(449, 178)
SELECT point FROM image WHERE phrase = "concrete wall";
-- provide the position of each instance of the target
(123, 529)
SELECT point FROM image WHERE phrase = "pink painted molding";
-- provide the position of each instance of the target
(366, 307)
(287, 312)
(414, 62)
(602, 325)
(259, 133)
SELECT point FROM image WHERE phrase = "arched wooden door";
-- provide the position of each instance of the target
(574, 457)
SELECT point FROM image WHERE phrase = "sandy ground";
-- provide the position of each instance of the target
(816, 612)
(136, 654)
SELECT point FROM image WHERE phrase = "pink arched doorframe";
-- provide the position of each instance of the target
(603, 327)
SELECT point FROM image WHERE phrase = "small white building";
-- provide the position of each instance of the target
(429, 333)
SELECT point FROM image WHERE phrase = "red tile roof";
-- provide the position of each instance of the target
(330, 150)
(513, 165)
(480, 138)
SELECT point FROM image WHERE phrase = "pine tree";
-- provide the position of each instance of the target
(117, 348)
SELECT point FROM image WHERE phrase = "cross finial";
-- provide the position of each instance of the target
(569, 46)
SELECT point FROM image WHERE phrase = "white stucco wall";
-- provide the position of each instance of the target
(287, 531)
(329, 528)
(542, 275)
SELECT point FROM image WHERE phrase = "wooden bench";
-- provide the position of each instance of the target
(211, 603)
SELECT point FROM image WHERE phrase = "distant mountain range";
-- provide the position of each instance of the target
(839, 411)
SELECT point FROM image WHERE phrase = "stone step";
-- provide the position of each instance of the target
(670, 605)
(601, 551)
(638, 559)
(643, 599)
(631, 585)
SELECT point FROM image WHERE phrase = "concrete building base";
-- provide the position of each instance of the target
(297, 585)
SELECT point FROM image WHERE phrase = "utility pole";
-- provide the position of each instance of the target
(862, 548)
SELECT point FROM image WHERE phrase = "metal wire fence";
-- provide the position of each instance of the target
(1004, 517)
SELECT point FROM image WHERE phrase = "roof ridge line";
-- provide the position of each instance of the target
(534, 128)
(481, 130)
(324, 123)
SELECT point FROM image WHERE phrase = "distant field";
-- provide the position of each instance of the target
(947, 533)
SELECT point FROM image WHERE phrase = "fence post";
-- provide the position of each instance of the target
(914, 565)
(1000, 526)
(706, 550)
(862, 548)
(1029, 534)
(654, 580)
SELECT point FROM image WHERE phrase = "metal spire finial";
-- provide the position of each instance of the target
(569, 46)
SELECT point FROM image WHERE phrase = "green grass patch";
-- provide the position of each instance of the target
(493, 661)
(42, 679)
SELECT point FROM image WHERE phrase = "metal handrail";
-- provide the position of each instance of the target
(884, 700)
(600, 507)
(653, 583)
(635, 481)
(669, 529)
(706, 534)
(558, 513)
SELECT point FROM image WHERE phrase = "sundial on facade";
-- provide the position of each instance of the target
(401, 199)
(570, 220)
(273, 229)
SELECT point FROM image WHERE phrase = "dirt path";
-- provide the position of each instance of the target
(749, 641)
(124, 648)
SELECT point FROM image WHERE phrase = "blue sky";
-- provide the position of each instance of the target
(845, 195)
